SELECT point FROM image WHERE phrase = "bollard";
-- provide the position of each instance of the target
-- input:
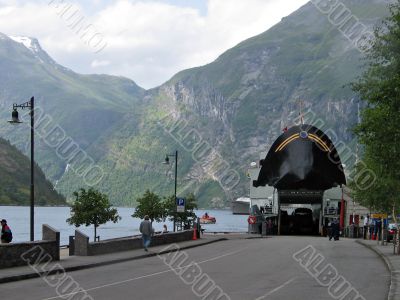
(194, 234)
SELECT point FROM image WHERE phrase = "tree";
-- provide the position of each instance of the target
(92, 208)
(379, 130)
(149, 204)
(186, 218)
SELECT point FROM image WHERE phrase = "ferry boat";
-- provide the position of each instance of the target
(241, 206)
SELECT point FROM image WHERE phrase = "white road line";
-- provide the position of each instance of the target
(144, 276)
(276, 289)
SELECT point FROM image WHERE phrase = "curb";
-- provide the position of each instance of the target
(99, 264)
(392, 286)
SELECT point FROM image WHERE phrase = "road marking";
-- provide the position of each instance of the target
(144, 276)
(276, 289)
(221, 256)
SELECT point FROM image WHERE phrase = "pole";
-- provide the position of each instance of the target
(32, 196)
(176, 177)
(279, 215)
(342, 211)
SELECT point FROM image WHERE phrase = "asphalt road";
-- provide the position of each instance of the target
(242, 269)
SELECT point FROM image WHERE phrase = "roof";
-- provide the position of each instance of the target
(302, 158)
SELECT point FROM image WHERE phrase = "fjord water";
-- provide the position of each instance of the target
(18, 219)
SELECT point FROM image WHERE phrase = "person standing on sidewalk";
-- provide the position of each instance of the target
(6, 234)
(366, 222)
(146, 229)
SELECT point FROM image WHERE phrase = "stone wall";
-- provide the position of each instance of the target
(84, 248)
(19, 254)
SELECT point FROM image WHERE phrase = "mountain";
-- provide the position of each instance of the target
(241, 102)
(219, 116)
(84, 106)
(15, 180)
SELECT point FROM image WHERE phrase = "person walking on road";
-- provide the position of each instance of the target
(335, 229)
(330, 229)
(6, 234)
(146, 229)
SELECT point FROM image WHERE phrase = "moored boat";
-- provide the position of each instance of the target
(241, 206)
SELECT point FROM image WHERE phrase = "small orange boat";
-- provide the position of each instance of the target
(206, 219)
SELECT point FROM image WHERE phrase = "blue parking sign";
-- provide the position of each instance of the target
(180, 204)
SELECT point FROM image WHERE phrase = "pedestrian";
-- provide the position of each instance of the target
(335, 229)
(330, 229)
(6, 234)
(371, 228)
(366, 221)
(378, 229)
(146, 229)
(165, 229)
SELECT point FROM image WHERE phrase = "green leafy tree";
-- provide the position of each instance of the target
(92, 208)
(186, 218)
(379, 130)
(149, 204)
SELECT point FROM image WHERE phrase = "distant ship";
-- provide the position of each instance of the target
(241, 206)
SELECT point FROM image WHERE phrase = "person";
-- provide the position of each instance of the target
(6, 234)
(335, 229)
(366, 222)
(206, 215)
(165, 229)
(330, 229)
(269, 226)
(146, 229)
(371, 228)
(378, 229)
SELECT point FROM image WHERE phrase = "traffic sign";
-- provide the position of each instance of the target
(180, 204)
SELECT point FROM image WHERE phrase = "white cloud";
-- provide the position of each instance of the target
(99, 63)
(147, 40)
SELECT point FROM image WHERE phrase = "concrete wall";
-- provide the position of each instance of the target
(51, 234)
(81, 244)
(19, 254)
(84, 248)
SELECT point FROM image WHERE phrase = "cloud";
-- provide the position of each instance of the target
(99, 63)
(147, 40)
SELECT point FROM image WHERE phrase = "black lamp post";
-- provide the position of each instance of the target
(176, 173)
(15, 120)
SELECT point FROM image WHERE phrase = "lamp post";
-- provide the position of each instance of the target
(15, 120)
(176, 173)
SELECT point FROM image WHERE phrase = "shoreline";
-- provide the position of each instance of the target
(12, 205)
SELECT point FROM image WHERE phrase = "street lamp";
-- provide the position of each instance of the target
(15, 120)
(176, 173)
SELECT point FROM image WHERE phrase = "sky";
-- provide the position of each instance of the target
(147, 41)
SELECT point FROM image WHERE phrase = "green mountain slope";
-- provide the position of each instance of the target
(240, 103)
(84, 106)
(15, 180)
(219, 116)
(235, 107)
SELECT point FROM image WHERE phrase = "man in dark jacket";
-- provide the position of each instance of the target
(146, 230)
(335, 229)
(6, 235)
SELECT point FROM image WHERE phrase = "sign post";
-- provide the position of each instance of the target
(180, 205)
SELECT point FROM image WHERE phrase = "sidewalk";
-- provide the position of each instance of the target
(392, 262)
(75, 263)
